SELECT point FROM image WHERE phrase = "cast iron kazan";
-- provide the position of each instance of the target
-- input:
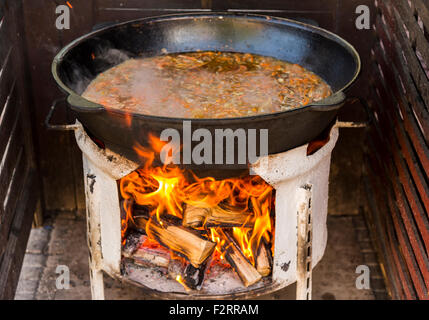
(318, 50)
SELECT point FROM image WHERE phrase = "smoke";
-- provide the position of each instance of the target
(155, 91)
(104, 57)
(112, 56)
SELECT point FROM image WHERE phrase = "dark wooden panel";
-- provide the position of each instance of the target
(403, 200)
(399, 136)
(407, 252)
(7, 81)
(59, 158)
(415, 254)
(382, 242)
(382, 233)
(421, 9)
(18, 192)
(53, 147)
(8, 118)
(408, 185)
(346, 194)
(119, 15)
(324, 13)
(394, 267)
(10, 203)
(118, 11)
(406, 61)
(82, 16)
(9, 161)
(412, 40)
(291, 5)
(411, 125)
(5, 41)
(149, 4)
(391, 214)
(407, 150)
(401, 268)
(402, 170)
(10, 266)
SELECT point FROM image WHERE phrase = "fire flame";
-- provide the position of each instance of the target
(165, 190)
(182, 282)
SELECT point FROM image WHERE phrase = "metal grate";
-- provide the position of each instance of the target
(397, 155)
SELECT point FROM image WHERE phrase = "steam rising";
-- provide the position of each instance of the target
(202, 85)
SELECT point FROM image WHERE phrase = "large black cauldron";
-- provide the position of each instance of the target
(318, 50)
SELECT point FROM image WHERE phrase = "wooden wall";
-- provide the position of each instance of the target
(58, 155)
(397, 153)
(18, 175)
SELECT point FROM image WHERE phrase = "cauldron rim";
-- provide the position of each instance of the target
(84, 105)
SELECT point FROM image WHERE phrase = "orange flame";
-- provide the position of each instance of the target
(180, 280)
(165, 190)
(219, 250)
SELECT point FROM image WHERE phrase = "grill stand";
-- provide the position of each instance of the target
(305, 229)
(304, 266)
(101, 193)
(301, 184)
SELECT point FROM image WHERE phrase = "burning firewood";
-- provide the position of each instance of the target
(263, 260)
(146, 254)
(194, 277)
(228, 217)
(132, 243)
(196, 217)
(177, 268)
(247, 273)
(179, 239)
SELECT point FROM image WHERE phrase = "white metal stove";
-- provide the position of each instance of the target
(301, 184)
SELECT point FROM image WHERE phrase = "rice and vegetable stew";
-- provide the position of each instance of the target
(206, 85)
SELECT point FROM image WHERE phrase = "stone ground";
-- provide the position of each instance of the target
(62, 241)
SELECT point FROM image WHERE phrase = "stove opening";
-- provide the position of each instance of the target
(182, 233)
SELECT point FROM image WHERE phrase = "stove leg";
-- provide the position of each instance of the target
(97, 283)
(305, 235)
(93, 222)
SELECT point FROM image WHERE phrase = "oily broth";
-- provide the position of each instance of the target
(206, 85)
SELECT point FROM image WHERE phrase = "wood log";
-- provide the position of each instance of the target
(177, 268)
(132, 243)
(194, 277)
(215, 217)
(263, 261)
(228, 217)
(180, 240)
(149, 255)
(247, 273)
(194, 217)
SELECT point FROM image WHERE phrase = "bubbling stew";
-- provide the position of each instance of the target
(206, 85)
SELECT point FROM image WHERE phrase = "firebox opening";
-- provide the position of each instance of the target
(201, 236)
